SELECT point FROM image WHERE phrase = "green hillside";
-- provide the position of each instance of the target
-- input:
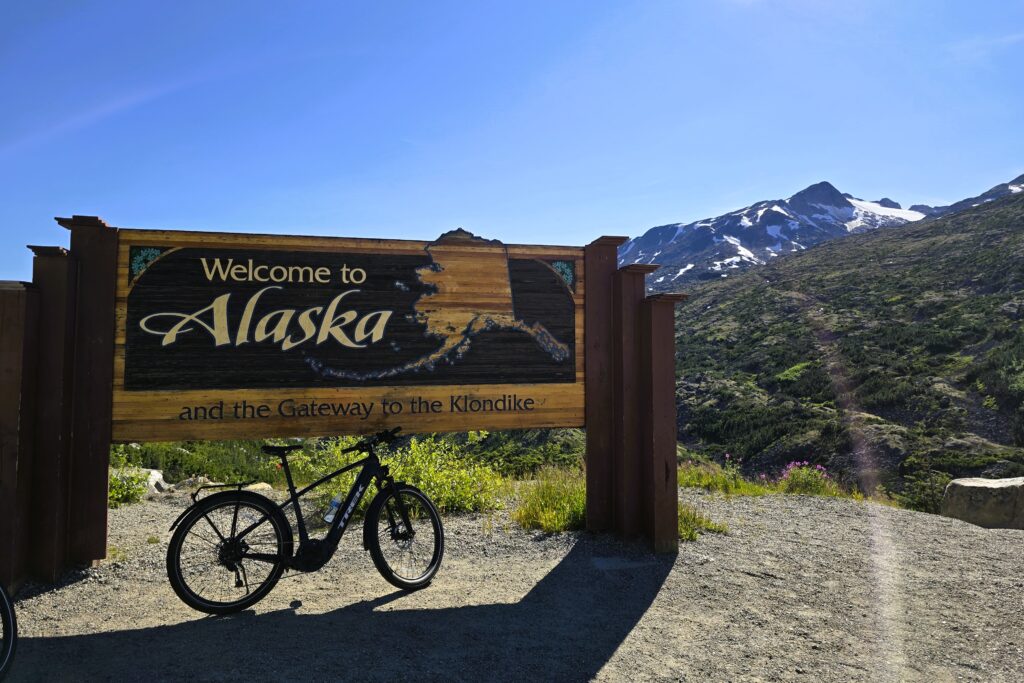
(891, 357)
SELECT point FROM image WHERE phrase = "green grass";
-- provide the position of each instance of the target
(714, 477)
(798, 478)
(692, 523)
(554, 501)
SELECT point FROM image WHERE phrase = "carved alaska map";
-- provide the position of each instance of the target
(469, 291)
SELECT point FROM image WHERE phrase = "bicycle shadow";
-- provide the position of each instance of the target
(567, 627)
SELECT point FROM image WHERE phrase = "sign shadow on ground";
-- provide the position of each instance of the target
(567, 627)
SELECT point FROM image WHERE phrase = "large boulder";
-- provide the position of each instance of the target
(991, 503)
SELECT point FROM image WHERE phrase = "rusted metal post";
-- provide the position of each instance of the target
(601, 261)
(628, 291)
(18, 318)
(53, 274)
(94, 247)
(658, 429)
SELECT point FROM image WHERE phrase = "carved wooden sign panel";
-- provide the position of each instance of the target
(227, 336)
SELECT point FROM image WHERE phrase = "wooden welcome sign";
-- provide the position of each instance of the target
(151, 335)
(228, 336)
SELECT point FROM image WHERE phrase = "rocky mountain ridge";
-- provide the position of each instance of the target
(726, 245)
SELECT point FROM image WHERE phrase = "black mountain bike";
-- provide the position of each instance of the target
(8, 632)
(229, 549)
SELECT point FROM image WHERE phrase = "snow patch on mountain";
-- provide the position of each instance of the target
(731, 262)
(683, 270)
(741, 250)
(875, 215)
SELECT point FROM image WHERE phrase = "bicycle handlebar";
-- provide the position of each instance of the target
(383, 437)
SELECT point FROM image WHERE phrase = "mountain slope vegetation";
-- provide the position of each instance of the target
(894, 357)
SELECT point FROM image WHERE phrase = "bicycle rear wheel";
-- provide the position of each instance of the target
(8, 632)
(404, 536)
(228, 552)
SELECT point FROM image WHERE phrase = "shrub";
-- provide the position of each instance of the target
(798, 477)
(802, 477)
(923, 491)
(440, 468)
(520, 453)
(555, 501)
(219, 460)
(792, 373)
(125, 487)
(510, 453)
(693, 522)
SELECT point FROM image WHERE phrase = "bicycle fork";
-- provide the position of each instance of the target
(390, 505)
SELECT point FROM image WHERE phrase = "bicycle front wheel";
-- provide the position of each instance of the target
(404, 536)
(228, 552)
(8, 634)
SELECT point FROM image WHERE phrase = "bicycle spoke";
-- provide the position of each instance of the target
(193, 532)
(214, 527)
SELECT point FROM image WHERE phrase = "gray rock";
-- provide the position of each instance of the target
(155, 482)
(194, 483)
(990, 503)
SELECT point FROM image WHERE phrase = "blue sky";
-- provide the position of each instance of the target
(547, 122)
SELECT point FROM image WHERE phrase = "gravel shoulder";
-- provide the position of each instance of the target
(801, 588)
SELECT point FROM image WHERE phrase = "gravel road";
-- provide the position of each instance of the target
(806, 589)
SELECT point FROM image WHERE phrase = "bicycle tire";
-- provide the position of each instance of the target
(420, 506)
(225, 553)
(9, 642)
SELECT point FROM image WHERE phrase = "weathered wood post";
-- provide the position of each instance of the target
(659, 484)
(53, 274)
(627, 293)
(601, 261)
(94, 247)
(18, 318)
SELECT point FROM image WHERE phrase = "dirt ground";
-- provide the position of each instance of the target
(801, 588)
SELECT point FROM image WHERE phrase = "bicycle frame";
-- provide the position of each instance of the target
(314, 553)
(372, 470)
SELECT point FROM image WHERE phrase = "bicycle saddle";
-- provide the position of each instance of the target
(281, 450)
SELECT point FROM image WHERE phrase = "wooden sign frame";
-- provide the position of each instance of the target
(75, 401)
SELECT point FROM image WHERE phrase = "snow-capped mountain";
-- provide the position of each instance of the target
(728, 244)
(716, 247)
